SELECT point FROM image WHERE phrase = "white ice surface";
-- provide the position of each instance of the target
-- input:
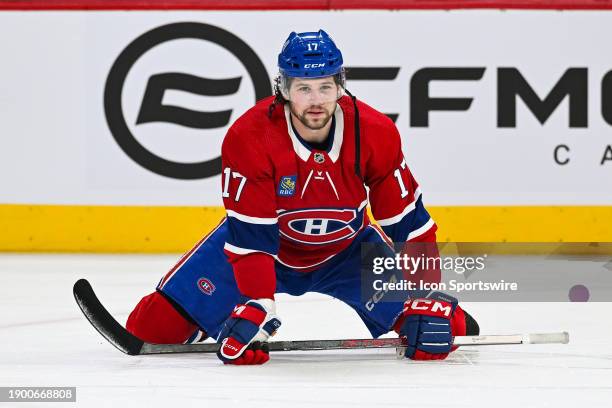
(45, 341)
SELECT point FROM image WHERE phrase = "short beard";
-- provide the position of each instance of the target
(308, 123)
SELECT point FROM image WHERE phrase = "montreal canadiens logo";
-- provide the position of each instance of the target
(206, 286)
(320, 226)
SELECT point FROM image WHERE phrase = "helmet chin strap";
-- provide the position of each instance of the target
(357, 136)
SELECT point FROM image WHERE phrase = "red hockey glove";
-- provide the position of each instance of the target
(244, 334)
(429, 324)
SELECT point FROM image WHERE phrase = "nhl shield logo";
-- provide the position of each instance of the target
(286, 186)
(206, 286)
(319, 158)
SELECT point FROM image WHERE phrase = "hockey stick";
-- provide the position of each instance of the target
(119, 337)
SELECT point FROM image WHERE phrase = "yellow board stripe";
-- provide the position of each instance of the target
(111, 229)
(524, 223)
(132, 229)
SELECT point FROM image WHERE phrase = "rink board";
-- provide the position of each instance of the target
(497, 169)
(176, 229)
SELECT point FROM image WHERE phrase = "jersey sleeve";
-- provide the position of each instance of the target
(395, 196)
(250, 203)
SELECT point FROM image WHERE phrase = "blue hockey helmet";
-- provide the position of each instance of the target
(310, 55)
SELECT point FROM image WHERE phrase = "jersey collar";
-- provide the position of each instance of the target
(302, 151)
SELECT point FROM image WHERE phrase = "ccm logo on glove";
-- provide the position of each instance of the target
(245, 332)
(428, 305)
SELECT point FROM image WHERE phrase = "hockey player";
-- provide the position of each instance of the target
(295, 171)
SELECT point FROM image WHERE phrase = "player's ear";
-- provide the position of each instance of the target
(340, 80)
(340, 92)
(285, 93)
(284, 85)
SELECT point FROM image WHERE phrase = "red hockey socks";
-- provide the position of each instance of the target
(155, 320)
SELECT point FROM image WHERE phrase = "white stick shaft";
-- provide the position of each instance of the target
(533, 338)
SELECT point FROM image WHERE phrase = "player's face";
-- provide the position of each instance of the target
(313, 101)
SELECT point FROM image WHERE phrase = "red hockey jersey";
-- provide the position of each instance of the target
(302, 206)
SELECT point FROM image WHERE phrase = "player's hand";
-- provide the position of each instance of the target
(429, 325)
(245, 332)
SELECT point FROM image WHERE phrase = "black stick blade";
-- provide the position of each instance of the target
(102, 321)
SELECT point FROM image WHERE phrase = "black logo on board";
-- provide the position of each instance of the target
(152, 108)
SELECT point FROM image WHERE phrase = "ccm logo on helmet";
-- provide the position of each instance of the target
(314, 65)
(428, 304)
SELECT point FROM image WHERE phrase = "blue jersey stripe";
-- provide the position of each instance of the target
(412, 221)
(256, 237)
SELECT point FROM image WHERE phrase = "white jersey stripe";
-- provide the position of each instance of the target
(420, 231)
(306, 266)
(306, 183)
(382, 234)
(397, 218)
(243, 251)
(187, 256)
(251, 220)
(332, 184)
